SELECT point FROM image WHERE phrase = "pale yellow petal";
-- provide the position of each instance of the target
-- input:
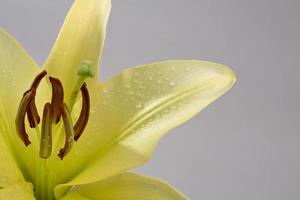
(17, 191)
(128, 186)
(74, 196)
(17, 71)
(134, 110)
(9, 170)
(81, 38)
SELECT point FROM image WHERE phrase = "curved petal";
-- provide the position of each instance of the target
(134, 110)
(9, 171)
(73, 196)
(128, 186)
(81, 38)
(17, 72)
(17, 191)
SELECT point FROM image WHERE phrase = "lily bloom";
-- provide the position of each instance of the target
(65, 135)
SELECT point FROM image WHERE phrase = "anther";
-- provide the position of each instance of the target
(46, 134)
(20, 118)
(84, 114)
(38, 79)
(32, 114)
(27, 105)
(69, 131)
(57, 98)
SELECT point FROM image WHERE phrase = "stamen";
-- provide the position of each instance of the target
(30, 118)
(20, 118)
(69, 131)
(38, 79)
(46, 134)
(54, 111)
(57, 98)
(32, 114)
(84, 114)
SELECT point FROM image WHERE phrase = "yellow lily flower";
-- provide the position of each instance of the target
(66, 136)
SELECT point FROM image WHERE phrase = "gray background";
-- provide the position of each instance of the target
(245, 146)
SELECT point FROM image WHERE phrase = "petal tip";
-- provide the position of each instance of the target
(226, 77)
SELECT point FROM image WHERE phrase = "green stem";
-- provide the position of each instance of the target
(37, 163)
(50, 186)
(43, 178)
(85, 71)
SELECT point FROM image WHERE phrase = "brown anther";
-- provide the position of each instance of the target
(69, 131)
(32, 114)
(30, 118)
(38, 79)
(57, 98)
(46, 134)
(20, 118)
(53, 112)
(84, 114)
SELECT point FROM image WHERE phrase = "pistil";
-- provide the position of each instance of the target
(86, 70)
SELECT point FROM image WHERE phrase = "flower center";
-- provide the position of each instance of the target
(55, 111)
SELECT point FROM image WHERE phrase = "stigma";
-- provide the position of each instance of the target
(54, 112)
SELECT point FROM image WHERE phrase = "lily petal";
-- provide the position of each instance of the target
(81, 38)
(9, 170)
(17, 73)
(128, 186)
(134, 110)
(18, 191)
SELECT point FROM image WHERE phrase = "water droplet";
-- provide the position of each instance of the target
(173, 107)
(172, 83)
(104, 91)
(138, 105)
(85, 22)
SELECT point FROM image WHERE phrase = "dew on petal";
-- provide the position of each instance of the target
(172, 83)
(138, 105)
(104, 91)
